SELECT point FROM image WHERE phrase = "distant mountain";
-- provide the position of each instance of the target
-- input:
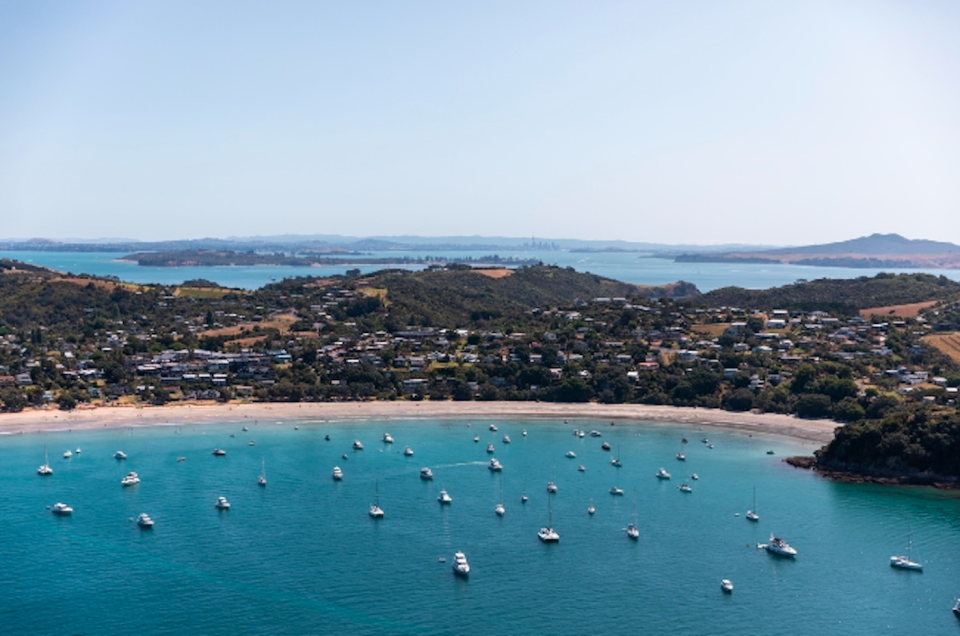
(875, 245)
(877, 251)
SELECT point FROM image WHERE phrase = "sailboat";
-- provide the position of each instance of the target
(632, 531)
(680, 455)
(375, 511)
(752, 513)
(548, 534)
(615, 462)
(45, 468)
(905, 562)
(499, 509)
(262, 479)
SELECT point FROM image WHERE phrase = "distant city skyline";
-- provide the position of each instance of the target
(677, 123)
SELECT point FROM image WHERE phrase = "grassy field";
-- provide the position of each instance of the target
(947, 343)
(212, 293)
(904, 311)
(281, 323)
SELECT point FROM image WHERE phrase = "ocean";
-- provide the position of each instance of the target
(302, 556)
(627, 267)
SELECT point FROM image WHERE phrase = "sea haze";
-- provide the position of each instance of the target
(302, 556)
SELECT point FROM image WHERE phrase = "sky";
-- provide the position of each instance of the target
(674, 122)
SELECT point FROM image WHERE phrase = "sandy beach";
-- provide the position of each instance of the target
(35, 421)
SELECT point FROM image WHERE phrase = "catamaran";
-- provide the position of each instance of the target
(45, 467)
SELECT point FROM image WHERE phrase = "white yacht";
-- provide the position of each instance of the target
(495, 465)
(426, 473)
(662, 474)
(493, 427)
(681, 457)
(605, 446)
(581, 468)
(499, 509)
(685, 488)
(547, 534)
(222, 503)
(476, 438)
(506, 439)
(591, 508)
(131, 479)
(44, 468)
(780, 547)
(490, 448)
(61, 509)
(387, 439)
(581, 434)
(752, 513)
(219, 452)
(407, 451)
(524, 432)
(727, 586)
(694, 476)
(337, 473)
(571, 455)
(904, 563)
(460, 565)
(444, 497)
(120, 455)
(551, 487)
(616, 491)
(632, 531)
(357, 445)
(77, 451)
(68, 454)
(595, 433)
(144, 520)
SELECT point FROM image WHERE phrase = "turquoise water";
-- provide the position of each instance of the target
(626, 267)
(301, 556)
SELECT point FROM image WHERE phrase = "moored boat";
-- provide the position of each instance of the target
(444, 497)
(460, 565)
(662, 473)
(337, 473)
(387, 438)
(61, 509)
(120, 455)
(222, 503)
(407, 451)
(426, 473)
(219, 452)
(144, 520)
(780, 547)
(131, 479)
(357, 445)
(495, 465)
(727, 586)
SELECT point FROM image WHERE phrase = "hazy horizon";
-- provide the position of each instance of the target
(695, 124)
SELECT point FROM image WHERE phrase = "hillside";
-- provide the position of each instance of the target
(846, 296)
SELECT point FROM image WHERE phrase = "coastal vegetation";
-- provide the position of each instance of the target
(531, 333)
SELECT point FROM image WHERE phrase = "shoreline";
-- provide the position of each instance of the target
(39, 420)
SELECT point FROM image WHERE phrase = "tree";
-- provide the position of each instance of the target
(813, 405)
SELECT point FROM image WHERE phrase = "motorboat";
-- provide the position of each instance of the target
(727, 586)
(694, 476)
(591, 509)
(605, 446)
(495, 465)
(681, 457)
(956, 608)
(357, 445)
(222, 503)
(595, 433)
(779, 547)
(120, 455)
(581, 434)
(444, 497)
(476, 438)
(662, 473)
(387, 439)
(632, 531)
(252, 443)
(61, 509)
(326, 438)
(581, 468)
(219, 452)
(493, 427)
(551, 487)
(67, 454)
(244, 429)
(571, 455)
(407, 451)
(490, 448)
(523, 498)
(337, 473)
(524, 432)
(705, 440)
(770, 452)
(506, 439)
(426, 473)
(685, 488)
(709, 445)
(460, 565)
(131, 479)
(904, 563)
(44, 468)
(616, 491)
(144, 520)
(181, 459)
(499, 509)
(77, 451)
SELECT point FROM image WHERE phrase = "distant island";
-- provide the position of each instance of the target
(230, 258)
(876, 251)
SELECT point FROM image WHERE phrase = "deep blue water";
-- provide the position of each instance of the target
(301, 556)
(626, 267)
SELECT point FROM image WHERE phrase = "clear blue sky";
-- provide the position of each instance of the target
(706, 122)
